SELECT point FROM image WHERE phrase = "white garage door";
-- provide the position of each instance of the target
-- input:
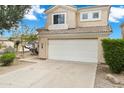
(83, 50)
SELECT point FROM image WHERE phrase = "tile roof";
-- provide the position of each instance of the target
(97, 29)
(74, 6)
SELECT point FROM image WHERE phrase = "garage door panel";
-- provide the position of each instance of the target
(84, 50)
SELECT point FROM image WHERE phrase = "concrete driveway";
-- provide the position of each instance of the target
(51, 74)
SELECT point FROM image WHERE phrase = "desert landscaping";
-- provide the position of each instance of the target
(17, 64)
(103, 75)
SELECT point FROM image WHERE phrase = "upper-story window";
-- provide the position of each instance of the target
(85, 16)
(90, 16)
(59, 18)
(96, 15)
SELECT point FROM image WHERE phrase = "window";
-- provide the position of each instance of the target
(96, 15)
(59, 19)
(90, 15)
(85, 16)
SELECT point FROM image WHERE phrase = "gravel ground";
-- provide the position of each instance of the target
(101, 82)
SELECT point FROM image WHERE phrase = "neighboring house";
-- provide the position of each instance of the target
(3, 39)
(73, 34)
(5, 42)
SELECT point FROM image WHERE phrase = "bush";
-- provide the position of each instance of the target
(7, 58)
(114, 54)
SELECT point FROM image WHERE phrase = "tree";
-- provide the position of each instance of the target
(27, 35)
(24, 34)
(31, 37)
(11, 15)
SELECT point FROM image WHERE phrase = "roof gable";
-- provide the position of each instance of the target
(50, 9)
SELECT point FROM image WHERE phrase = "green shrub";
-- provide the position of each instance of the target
(114, 54)
(7, 58)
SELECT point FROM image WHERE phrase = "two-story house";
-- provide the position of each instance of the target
(74, 34)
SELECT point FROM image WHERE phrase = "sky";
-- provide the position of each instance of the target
(36, 18)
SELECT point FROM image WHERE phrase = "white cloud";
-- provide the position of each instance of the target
(37, 9)
(31, 14)
(116, 13)
(30, 17)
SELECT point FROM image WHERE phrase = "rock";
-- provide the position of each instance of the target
(18, 57)
(122, 83)
(112, 79)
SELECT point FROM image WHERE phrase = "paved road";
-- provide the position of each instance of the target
(51, 74)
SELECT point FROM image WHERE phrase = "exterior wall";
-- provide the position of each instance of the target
(43, 48)
(73, 17)
(102, 22)
(44, 39)
(100, 50)
(70, 18)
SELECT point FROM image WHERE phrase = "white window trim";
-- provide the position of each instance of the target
(90, 16)
(58, 14)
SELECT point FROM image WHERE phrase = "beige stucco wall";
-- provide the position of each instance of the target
(102, 22)
(70, 17)
(44, 52)
(44, 38)
(43, 48)
(100, 50)
(73, 17)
